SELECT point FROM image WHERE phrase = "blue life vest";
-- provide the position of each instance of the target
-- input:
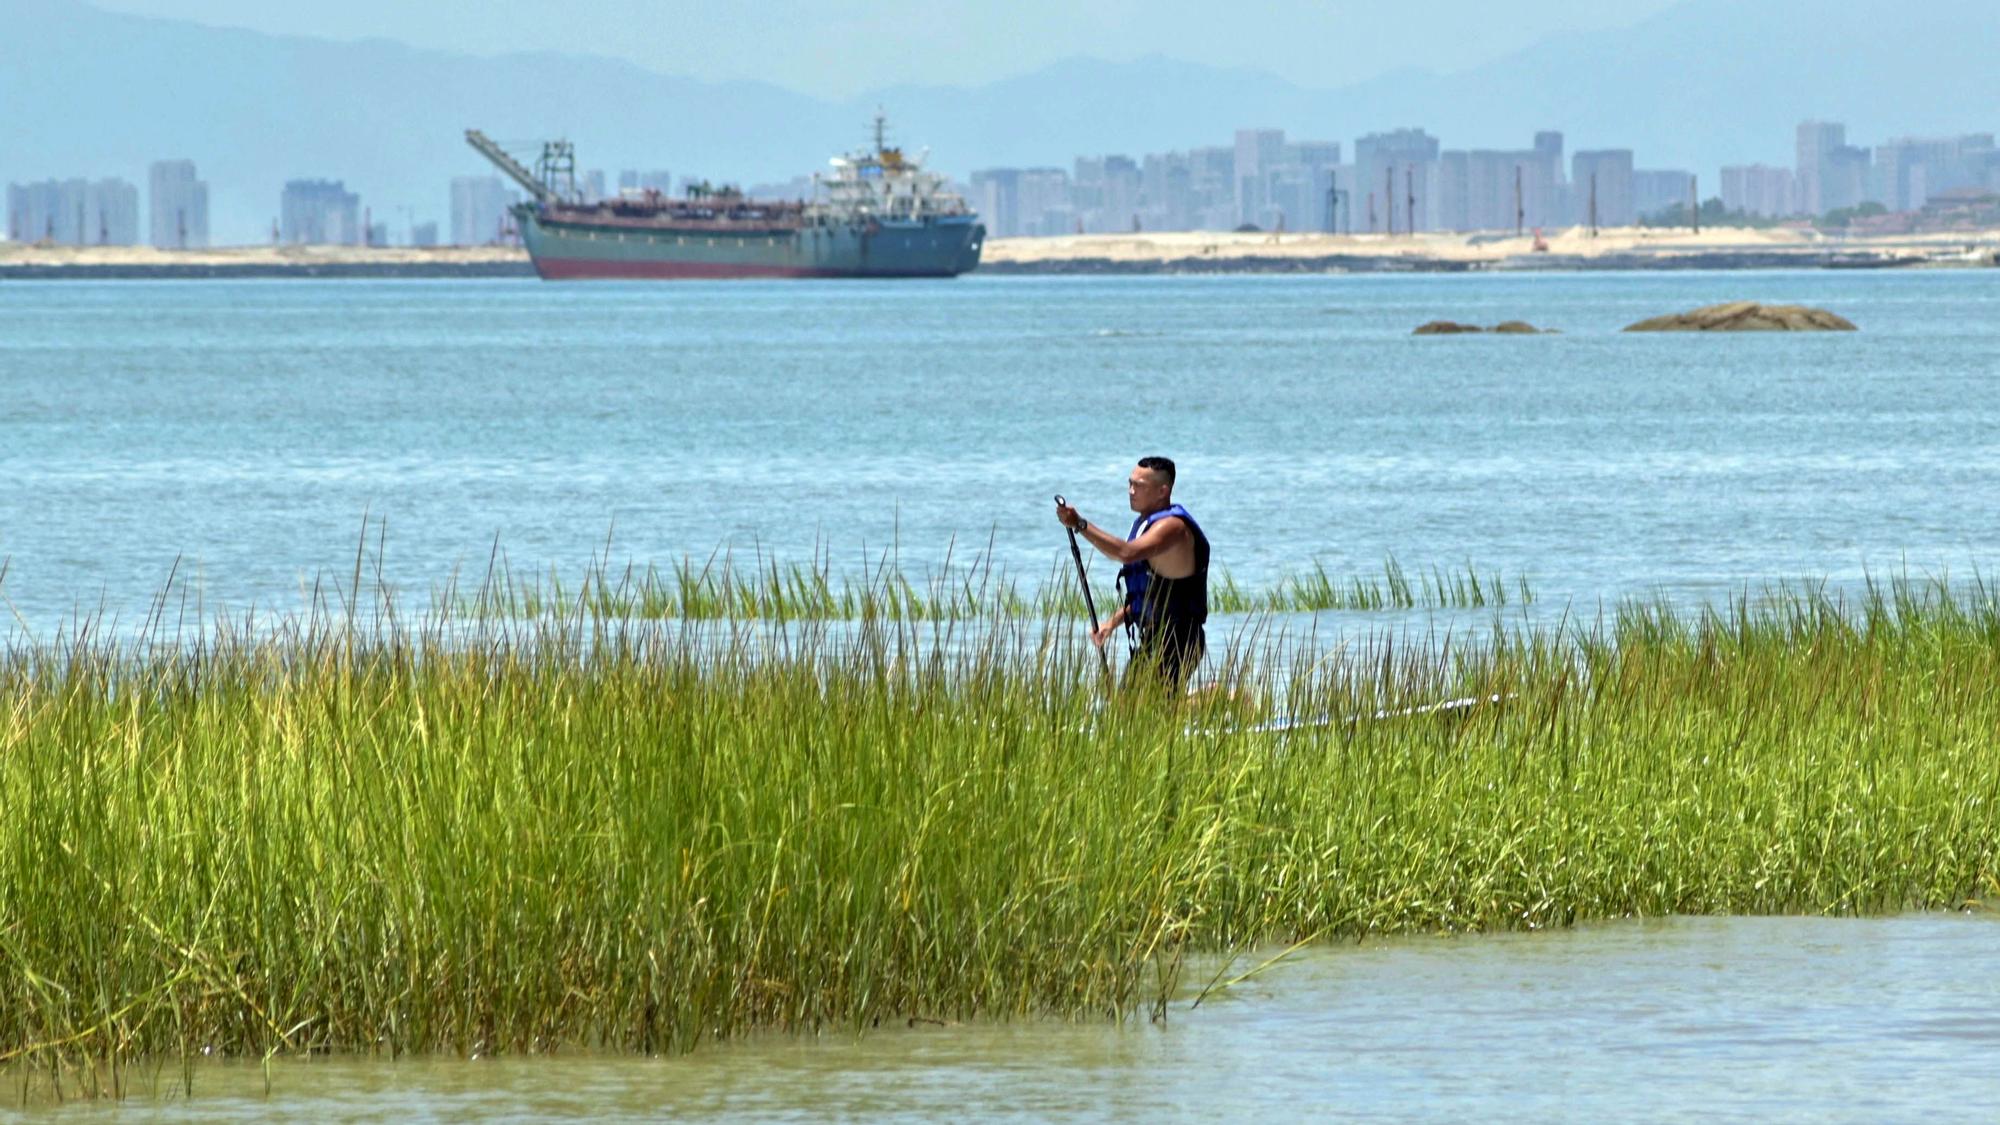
(1152, 600)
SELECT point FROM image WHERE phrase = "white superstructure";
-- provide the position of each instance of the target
(884, 186)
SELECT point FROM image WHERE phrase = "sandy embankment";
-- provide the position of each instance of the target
(1220, 251)
(1164, 248)
(32, 254)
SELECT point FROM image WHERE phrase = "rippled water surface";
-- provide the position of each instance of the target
(247, 427)
(1690, 1019)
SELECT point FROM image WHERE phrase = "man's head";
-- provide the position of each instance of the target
(1151, 485)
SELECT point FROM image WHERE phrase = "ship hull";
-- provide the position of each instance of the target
(943, 246)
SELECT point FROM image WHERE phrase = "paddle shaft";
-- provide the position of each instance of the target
(1089, 602)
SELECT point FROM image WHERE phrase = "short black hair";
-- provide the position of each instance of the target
(1161, 465)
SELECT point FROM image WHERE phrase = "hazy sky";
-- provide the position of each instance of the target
(841, 47)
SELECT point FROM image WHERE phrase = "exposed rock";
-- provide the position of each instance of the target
(1747, 316)
(1453, 328)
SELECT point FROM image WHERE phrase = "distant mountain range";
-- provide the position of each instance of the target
(1706, 83)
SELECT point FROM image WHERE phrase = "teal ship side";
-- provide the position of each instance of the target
(566, 246)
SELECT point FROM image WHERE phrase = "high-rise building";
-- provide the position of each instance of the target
(178, 205)
(1760, 190)
(1909, 170)
(996, 195)
(1212, 181)
(1496, 189)
(1396, 175)
(114, 208)
(48, 211)
(1659, 189)
(479, 210)
(1298, 189)
(1831, 173)
(424, 234)
(1166, 186)
(1045, 208)
(661, 181)
(1105, 193)
(1605, 176)
(74, 212)
(1817, 141)
(1503, 189)
(319, 212)
(590, 185)
(1845, 179)
(1256, 151)
(1454, 190)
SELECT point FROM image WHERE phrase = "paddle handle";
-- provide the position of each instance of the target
(1089, 603)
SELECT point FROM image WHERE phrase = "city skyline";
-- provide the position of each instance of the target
(85, 90)
(1395, 181)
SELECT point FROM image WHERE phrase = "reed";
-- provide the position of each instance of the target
(351, 830)
(722, 589)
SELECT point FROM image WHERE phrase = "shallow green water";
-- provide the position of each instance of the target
(1676, 1019)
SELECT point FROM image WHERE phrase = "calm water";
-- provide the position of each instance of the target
(247, 427)
(1683, 1019)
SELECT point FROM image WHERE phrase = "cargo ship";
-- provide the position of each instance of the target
(878, 213)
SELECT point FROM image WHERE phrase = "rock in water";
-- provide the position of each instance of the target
(1453, 328)
(1747, 316)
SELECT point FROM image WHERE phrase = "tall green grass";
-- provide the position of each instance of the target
(354, 831)
(722, 588)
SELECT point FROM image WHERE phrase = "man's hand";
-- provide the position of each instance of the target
(1103, 633)
(1068, 517)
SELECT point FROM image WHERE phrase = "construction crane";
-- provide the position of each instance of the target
(556, 159)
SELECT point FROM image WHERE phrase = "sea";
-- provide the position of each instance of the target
(239, 444)
(240, 436)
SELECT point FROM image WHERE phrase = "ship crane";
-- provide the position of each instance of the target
(515, 170)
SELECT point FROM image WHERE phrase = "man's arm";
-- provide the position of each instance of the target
(1163, 536)
(1111, 624)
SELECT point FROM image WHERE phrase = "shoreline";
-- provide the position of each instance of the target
(1175, 252)
(1572, 250)
(23, 262)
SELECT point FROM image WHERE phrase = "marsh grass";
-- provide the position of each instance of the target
(348, 830)
(722, 588)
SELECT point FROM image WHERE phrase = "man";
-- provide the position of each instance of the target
(1163, 568)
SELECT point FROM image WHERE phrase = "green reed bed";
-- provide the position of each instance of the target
(608, 831)
(720, 588)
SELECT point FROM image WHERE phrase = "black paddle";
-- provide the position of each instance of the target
(1089, 602)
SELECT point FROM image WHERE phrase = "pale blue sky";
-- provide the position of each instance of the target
(840, 47)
